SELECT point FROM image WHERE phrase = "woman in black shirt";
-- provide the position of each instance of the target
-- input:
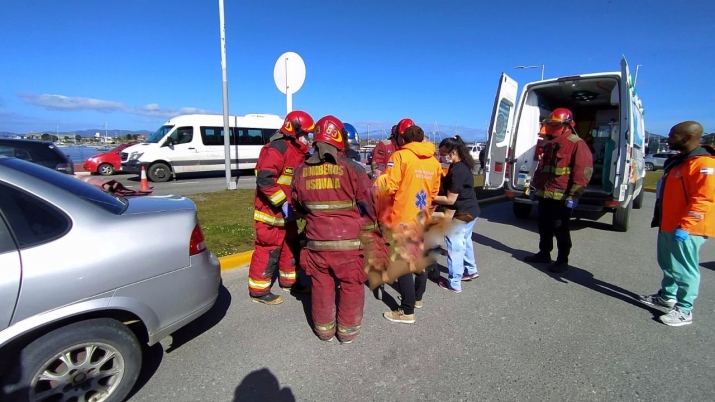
(460, 196)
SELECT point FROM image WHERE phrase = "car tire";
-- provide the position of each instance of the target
(105, 169)
(649, 167)
(159, 172)
(521, 211)
(104, 357)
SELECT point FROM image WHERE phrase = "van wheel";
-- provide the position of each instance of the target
(159, 173)
(92, 360)
(521, 211)
(105, 169)
(638, 201)
(622, 218)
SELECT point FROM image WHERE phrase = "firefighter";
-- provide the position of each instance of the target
(411, 181)
(276, 227)
(332, 192)
(382, 153)
(352, 148)
(560, 178)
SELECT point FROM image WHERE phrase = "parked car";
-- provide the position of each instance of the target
(86, 278)
(43, 153)
(107, 163)
(657, 161)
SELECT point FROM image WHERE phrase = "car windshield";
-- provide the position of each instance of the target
(106, 201)
(159, 134)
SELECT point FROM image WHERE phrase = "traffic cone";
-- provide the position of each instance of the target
(144, 186)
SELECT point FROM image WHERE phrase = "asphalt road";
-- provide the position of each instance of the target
(190, 183)
(517, 333)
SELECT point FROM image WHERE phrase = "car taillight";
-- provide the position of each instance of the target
(197, 244)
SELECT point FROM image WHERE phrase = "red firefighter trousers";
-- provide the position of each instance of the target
(324, 268)
(274, 248)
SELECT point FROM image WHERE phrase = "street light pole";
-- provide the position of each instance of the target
(528, 67)
(226, 131)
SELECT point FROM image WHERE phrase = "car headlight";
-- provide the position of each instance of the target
(136, 155)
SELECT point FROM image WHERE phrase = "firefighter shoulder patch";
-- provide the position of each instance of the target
(380, 152)
(390, 164)
(288, 170)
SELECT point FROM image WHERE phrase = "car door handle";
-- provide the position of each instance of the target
(192, 148)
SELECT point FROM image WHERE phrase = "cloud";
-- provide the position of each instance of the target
(61, 102)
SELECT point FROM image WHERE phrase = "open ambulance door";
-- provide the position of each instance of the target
(500, 133)
(624, 143)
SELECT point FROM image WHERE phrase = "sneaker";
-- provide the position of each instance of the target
(327, 339)
(445, 285)
(655, 300)
(558, 267)
(268, 298)
(466, 278)
(676, 318)
(342, 342)
(538, 258)
(299, 289)
(418, 303)
(399, 316)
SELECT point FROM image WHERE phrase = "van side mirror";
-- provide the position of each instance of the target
(169, 143)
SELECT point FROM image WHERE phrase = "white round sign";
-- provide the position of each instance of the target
(289, 73)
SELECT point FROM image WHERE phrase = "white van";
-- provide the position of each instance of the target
(195, 143)
(608, 114)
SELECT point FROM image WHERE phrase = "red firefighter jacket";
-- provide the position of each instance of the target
(336, 201)
(565, 168)
(381, 154)
(274, 172)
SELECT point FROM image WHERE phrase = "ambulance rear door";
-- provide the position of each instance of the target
(500, 133)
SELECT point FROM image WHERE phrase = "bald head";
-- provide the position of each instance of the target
(685, 136)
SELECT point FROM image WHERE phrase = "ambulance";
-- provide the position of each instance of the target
(608, 116)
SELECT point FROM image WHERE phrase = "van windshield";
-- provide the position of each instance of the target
(159, 134)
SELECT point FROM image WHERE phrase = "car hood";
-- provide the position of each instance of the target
(153, 204)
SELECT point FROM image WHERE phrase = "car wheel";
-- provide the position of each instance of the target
(649, 167)
(92, 360)
(105, 169)
(159, 173)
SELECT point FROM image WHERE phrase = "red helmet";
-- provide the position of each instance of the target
(403, 125)
(296, 123)
(331, 131)
(560, 116)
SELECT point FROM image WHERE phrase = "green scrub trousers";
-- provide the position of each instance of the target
(681, 274)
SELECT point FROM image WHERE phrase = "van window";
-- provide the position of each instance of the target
(250, 136)
(502, 121)
(212, 135)
(158, 134)
(267, 134)
(182, 135)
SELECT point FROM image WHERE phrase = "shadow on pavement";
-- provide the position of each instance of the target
(151, 360)
(203, 323)
(708, 265)
(261, 385)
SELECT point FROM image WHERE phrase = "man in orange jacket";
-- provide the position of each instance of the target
(685, 217)
(411, 181)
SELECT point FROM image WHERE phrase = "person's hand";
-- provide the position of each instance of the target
(571, 204)
(287, 210)
(681, 235)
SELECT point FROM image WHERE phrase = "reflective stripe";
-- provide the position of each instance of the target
(695, 215)
(327, 328)
(259, 284)
(334, 244)
(329, 205)
(577, 190)
(553, 194)
(369, 227)
(285, 179)
(343, 330)
(559, 171)
(264, 217)
(287, 275)
(278, 197)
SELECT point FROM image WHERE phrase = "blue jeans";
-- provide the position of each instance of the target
(460, 257)
(679, 262)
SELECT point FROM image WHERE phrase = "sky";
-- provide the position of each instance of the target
(76, 64)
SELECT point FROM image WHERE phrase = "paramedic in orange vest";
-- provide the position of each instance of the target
(560, 178)
(333, 193)
(412, 182)
(685, 217)
(382, 153)
(276, 227)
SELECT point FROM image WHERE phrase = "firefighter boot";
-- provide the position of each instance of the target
(539, 258)
(268, 298)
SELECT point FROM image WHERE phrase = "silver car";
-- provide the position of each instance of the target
(657, 161)
(85, 276)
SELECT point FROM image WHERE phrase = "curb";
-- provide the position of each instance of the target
(234, 261)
